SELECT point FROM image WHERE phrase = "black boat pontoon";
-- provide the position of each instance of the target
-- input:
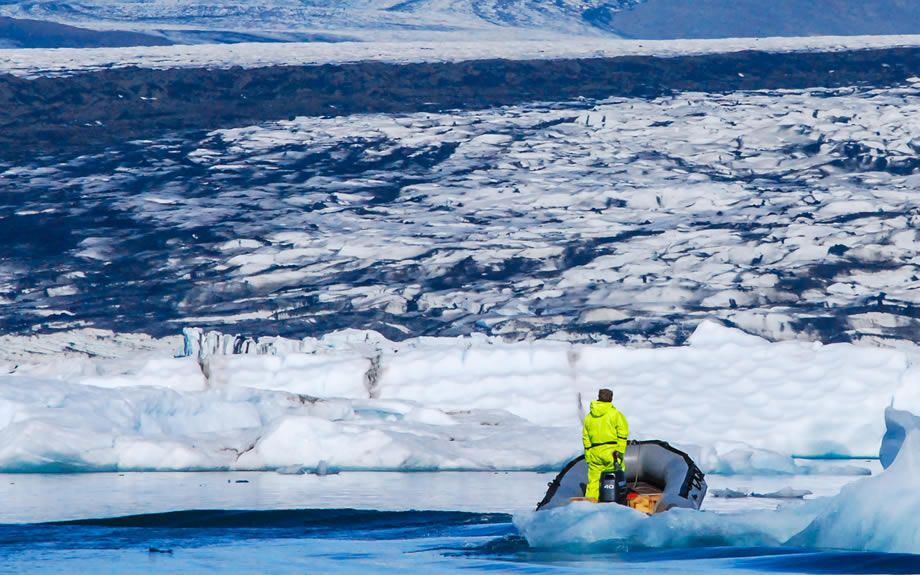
(659, 476)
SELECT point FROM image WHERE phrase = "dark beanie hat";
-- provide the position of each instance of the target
(605, 395)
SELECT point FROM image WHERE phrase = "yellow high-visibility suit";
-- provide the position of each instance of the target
(605, 431)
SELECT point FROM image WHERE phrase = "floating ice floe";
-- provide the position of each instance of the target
(874, 514)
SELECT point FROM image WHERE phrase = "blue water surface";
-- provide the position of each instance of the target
(370, 541)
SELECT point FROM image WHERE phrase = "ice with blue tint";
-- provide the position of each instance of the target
(441, 521)
(877, 513)
(584, 523)
(328, 414)
(358, 401)
(898, 424)
(288, 448)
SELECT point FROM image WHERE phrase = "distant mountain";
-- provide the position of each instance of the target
(220, 21)
(19, 33)
(541, 14)
(377, 19)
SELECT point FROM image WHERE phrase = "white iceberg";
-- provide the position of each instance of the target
(736, 403)
(873, 514)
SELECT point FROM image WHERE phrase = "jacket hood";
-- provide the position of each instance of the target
(599, 408)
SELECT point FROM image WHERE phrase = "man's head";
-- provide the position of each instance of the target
(605, 395)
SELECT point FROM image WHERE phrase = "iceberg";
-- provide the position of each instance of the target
(898, 424)
(873, 514)
(618, 528)
(355, 400)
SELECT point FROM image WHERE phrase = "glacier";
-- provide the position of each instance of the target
(738, 265)
(788, 214)
(876, 513)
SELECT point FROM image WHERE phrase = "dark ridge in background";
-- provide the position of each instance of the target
(89, 111)
(19, 33)
(673, 19)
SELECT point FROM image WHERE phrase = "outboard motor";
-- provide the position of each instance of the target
(612, 487)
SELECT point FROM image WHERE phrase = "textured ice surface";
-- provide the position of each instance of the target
(789, 214)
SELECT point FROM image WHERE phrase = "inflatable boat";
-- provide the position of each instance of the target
(658, 477)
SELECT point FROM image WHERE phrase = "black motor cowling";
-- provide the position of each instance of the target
(612, 487)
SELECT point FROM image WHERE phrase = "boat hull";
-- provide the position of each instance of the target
(652, 467)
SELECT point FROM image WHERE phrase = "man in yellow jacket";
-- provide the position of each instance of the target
(604, 437)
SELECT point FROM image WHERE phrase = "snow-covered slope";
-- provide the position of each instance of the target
(224, 20)
(368, 19)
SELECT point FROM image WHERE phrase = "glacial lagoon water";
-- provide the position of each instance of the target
(372, 522)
